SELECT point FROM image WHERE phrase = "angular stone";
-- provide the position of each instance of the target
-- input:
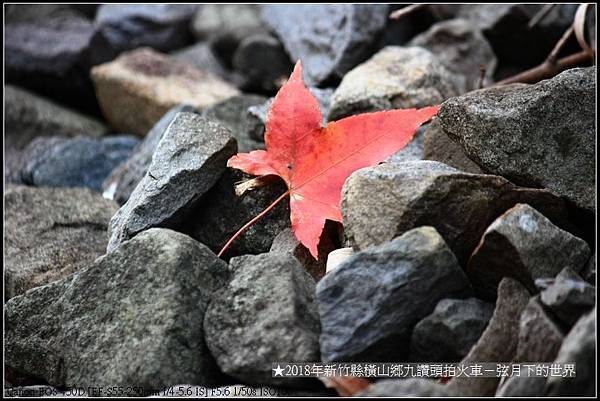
(263, 63)
(233, 113)
(202, 56)
(568, 297)
(140, 86)
(462, 49)
(450, 331)
(498, 343)
(579, 348)
(74, 162)
(266, 314)
(329, 39)
(459, 205)
(131, 318)
(394, 78)
(538, 135)
(222, 212)
(524, 245)
(437, 146)
(371, 302)
(163, 27)
(415, 387)
(51, 233)
(539, 336)
(188, 161)
(53, 56)
(124, 178)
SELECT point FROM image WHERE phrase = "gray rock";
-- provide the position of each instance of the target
(224, 26)
(188, 161)
(28, 116)
(53, 55)
(459, 205)
(263, 62)
(233, 113)
(437, 146)
(538, 135)
(524, 245)
(371, 302)
(498, 343)
(412, 151)
(131, 318)
(522, 386)
(462, 49)
(414, 387)
(124, 178)
(16, 13)
(50, 233)
(589, 273)
(394, 78)
(568, 297)
(450, 331)
(579, 348)
(329, 39)
(202, 56)
(221, 213)
(161, 26)
(539, 336)
(74, 162)
(266, 314)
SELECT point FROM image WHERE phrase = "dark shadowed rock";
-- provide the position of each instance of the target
(437, 146)
(188, 161)
(233, 113)
(459, 205)
(524, 245)
(539, 336)
(136, 89)
(394, 78)
(462, 49)
(221, 213)
(124, 178)
(261, 60)
(370, 303)
(498, 343)
(266, 314)
(163, 27)
(579, 347)
(202, 56)
(538, 135)
(50, 233)
(522, 386)
(450, 331)
(412, 151)
(329, 39)
(133, 317)
(74, 162)
(568, 297)
(589, 273)
(414, 387)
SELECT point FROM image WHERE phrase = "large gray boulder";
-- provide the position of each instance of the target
(132, 318)
(540, 135)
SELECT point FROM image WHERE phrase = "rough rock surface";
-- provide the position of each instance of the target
(151, 83)
(538, 135)
(394, 78)
(412, 151)
(113, 326)
(450, 331)
(329, 39)
(589, 273)
(202, 56)
(498, 343)
(124, 178)
(459, 205)
(539, 336)
(188, 161)
(525, 245)
(163, 27)
(267, 313)
(370, 303)
(74, 162)
(462, 49)
(50, 233)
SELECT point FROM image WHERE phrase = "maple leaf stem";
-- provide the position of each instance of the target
(251, 222)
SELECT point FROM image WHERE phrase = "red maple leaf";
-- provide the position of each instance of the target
(314, 161)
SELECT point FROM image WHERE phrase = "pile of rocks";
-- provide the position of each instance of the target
(475, 243)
